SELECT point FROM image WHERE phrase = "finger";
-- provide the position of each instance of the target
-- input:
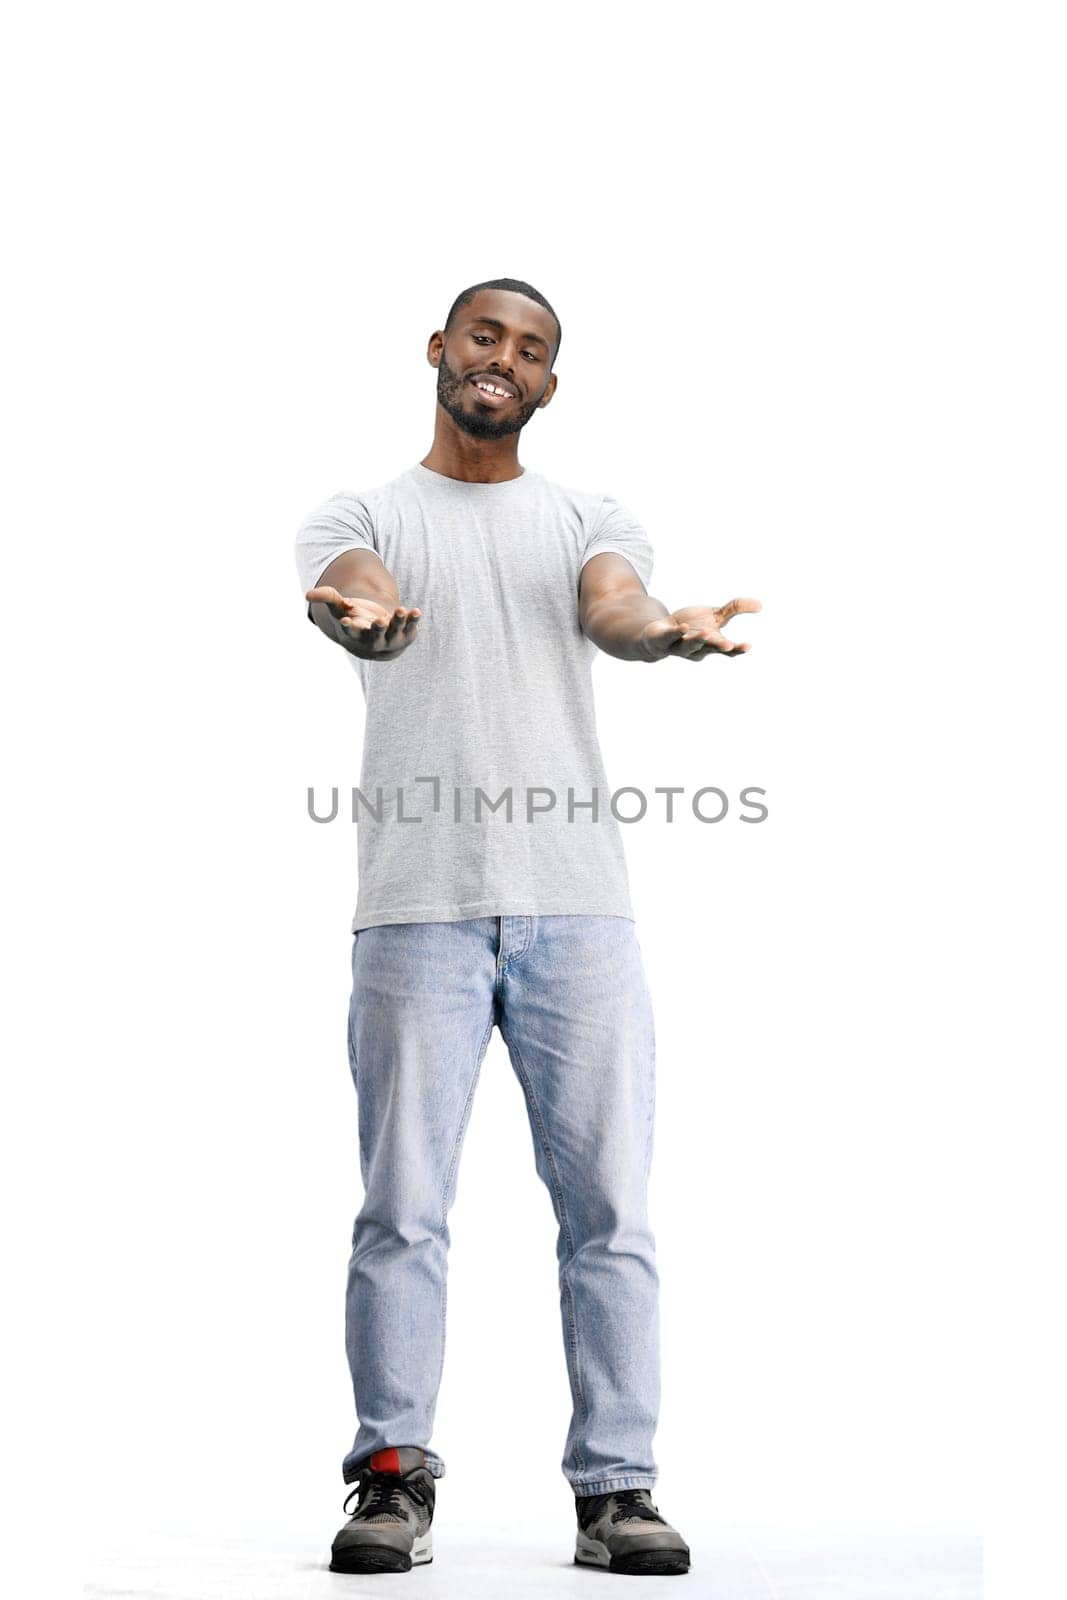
(729, 650)
(689, 644)
(706, 636)
(330, 597)
(364, 627)
(734, 608)
(665, 634)
(395, 625)
(358, 616)
(412, 621)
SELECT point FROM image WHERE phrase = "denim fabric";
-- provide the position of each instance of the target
(570, 998)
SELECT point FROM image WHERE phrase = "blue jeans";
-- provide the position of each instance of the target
(570, 998)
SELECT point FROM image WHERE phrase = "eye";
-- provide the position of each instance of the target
(531, 353)
(477, 337)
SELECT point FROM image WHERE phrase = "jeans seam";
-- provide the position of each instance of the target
(568, 1235)
(352, 1048)
(516, 955)
(652, 1107)
(354, 1064)
(448, 1184)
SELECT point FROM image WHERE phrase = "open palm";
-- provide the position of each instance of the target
(378, 632)
(695, 632)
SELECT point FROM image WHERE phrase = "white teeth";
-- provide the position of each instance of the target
(492, 389)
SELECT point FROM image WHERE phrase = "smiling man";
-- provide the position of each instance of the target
(472, 596)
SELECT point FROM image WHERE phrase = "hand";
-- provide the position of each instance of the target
(694, 632)
(379, 634)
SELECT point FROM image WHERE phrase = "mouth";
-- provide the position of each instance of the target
(492, 392)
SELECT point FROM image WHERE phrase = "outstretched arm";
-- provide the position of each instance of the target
(355, 604)
(623, 620)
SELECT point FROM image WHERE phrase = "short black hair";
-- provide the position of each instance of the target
(516, 286)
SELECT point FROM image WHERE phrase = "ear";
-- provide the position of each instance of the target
(435, 347)
(550, 389)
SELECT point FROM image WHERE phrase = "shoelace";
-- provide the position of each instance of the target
(379, 1496)
(628, 1503)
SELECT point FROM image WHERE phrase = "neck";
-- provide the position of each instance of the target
(456, 454)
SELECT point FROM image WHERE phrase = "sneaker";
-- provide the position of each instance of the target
(624, 1532)
(390, 1529)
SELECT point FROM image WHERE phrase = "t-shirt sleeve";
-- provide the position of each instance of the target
(341, 523)
(615, 528)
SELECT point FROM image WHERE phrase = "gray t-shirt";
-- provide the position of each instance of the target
(494, 694)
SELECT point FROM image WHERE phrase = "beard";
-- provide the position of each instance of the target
(480, 423)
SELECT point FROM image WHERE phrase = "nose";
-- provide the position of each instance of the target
(504, 361)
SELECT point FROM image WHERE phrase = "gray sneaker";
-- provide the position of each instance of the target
(390, 1529)
(624, 1532)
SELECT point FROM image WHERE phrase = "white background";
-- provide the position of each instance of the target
(809, 265)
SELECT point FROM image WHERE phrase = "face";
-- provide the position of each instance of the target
(506, 341)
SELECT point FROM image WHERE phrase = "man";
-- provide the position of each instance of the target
(472, 596)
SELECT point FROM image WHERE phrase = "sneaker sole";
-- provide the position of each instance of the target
(380, 1558)
(593, 1553)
